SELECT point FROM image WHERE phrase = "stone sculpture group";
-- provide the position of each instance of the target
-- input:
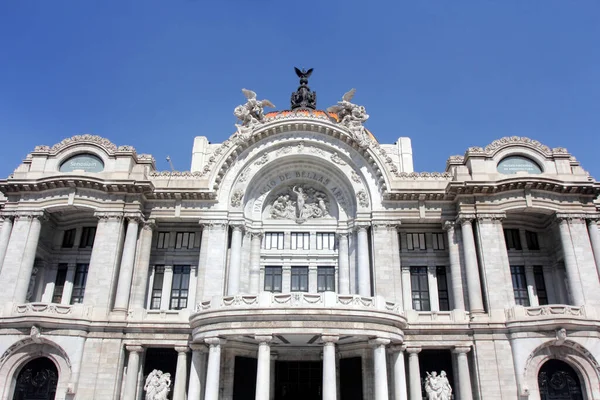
(352, 117)
(251, 114)
(158, 385)
(437, 386)
(310, 203)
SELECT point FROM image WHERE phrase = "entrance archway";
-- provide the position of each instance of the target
(558, 381)
(37, 380)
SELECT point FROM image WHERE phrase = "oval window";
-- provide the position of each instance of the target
(514, 164)
(83, 162)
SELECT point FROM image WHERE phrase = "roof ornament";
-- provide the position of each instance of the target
(304, 97)
(251, 114)
(352, 117)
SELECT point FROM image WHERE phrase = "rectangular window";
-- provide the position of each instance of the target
(519, 285)
(415, 241)
(438, 241)
(163, 240)
(442, 281)
(59, 283)
(300, 241)
(68, 238)
(326, 241)
(180, 287)
(185, 240)
(325, 279)
(273, 240)
(81, 272)
(420, 289)
(540, 285)
(532, 240)
(88, 233)
(273, 279)
(513, 240)
(299, 279)
(157, 285)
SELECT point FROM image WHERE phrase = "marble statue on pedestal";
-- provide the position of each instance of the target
(437, 386)
(158, 385)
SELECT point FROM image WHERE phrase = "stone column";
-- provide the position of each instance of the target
(531, 289)
(255, 242)
(142, 269)
(471, 267)
(406, 288)
(458, 299)
(28, 258)
(399, 372)
(343, 264)
(197, 370)
(380, 367)
(67, 292)
(50, 280)
(263, 373)
(7, 224)
(272, 387)
(180, 373)
(214, 368)
(364, 267)
(165, 294)
(464, 377)
(127, 261)
(235, 260)
(434, 300)
(573, 280)
(414, 374)
(133, 368)
(592, 226)
(202, 262)
(329, 369)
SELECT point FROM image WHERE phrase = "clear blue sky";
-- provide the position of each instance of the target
(155, 73)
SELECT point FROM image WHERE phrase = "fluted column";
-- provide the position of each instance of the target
(7, 225)
(380, 367)
(573, 280)
(235, 260)
(133, 368)
(213, 368)
(592, 226)
(180, 373)
(414, 374)
(127, 261)
(399, 372)
(364, 268)
(142, 269)
(197, 370)
(202, 262)
(458, 299)
(464, 377)
(255, 242)
(329, 368)
(471, 266)
(263, 373)
(28, 259)
(343, 264)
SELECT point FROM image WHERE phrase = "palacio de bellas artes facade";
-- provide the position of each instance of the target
(299, 259)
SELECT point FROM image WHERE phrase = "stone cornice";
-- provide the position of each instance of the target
(522, 183)
(490, 217)
(71, 181)
(577, 216)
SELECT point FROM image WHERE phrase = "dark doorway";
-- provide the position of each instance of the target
(163, 359)
(244, 378)
(37, 380)
(558, 381)
(298, 380)
(351, 378)
(435, 360)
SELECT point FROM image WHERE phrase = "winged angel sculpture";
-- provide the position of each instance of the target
(352, 116)
(251, 113)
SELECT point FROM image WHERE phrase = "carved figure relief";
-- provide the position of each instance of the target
(236, 198)
(300, 203)
(363, 199)
(158, 385)
(437, 386)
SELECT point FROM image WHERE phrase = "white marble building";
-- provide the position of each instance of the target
(300, 258)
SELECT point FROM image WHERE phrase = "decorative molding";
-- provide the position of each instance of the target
(236, 197)
(490, 217)
(355, 177)
(43, 308)
(363, 198)
(335, 157)
(108, 215)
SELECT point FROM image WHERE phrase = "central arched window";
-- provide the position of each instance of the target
(37, 380)
(558, 381)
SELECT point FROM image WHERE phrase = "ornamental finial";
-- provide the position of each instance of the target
(304, 97)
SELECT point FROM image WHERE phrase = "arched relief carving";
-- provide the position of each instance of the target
(574, 354)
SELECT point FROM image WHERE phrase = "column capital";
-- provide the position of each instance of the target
(386, 225)
(7, 215)
(361, 225)
(263, 338)
(134, 348)
(448, 225)
(134, 217)
(213, 223)
(413, 349)
(109, 215)
(198, 347)
(237, 225)
(375, 342)
(30, 215)
(431, 269)
(461, 349)
(464, 218)
(215, 341)
(342, 234)
(330, 339)
(395, 348)
(149, 225)
(593, 219)
(491, 217)
(182, 349)
(568, 217)
(255, 233)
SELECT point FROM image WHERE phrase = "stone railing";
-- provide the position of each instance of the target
(51, 309)
(551, 311)
(299, 300)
